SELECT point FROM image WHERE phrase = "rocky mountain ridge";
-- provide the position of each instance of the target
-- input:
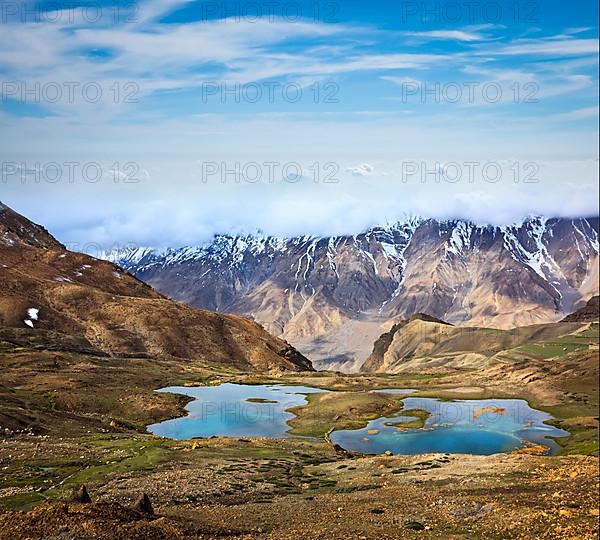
(424, 344)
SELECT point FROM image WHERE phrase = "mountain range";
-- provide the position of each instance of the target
(333, 297)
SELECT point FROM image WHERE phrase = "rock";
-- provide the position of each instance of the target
(377, 511)
(80, 495)
(144, 505)
(389, 453)
(414, 526)
(473, 512)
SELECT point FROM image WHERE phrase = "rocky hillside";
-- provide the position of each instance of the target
(425, 344)
(333, 297)
(51, 296)
(588, 313)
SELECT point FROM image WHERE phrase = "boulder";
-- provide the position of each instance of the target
(144, 505)
(80, 495)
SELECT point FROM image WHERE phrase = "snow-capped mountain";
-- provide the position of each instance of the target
(330, 296)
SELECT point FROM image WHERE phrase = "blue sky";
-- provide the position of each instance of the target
(369, 63)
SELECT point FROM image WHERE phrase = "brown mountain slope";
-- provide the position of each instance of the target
(46, 290)
(588, 313)
(376, 360)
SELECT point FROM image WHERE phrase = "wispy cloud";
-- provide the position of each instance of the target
(556, 47)
(579, 114)
(452, 35)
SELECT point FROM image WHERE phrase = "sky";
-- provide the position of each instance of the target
(162, 123)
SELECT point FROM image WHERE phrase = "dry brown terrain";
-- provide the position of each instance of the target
(64, 432)
(278, 490)
(116, 313)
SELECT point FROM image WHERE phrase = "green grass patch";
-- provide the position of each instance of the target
(22, 501)
(420, 417)
(341, 410)
(559, 346)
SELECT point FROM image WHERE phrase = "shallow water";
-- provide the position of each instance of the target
(455, 427)
(486, 427)
(225, 411)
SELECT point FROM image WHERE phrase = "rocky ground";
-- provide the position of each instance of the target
(222, 488)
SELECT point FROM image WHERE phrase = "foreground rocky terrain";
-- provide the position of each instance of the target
(265, 491)
(333, 297)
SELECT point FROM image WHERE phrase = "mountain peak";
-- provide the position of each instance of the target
(428, 318)
(17, 230)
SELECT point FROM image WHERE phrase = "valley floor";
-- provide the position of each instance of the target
(60, 430)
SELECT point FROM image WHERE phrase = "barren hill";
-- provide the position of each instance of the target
(425, 344)
(46, 290)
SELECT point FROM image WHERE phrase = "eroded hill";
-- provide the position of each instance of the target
(53, 296)
(426, 344)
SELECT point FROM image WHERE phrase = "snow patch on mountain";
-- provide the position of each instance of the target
(537, 256)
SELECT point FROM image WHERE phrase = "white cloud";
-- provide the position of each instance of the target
(361, 170)
(452, 35)
(551, 47)
(579, 114)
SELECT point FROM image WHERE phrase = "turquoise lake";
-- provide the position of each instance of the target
(224, 411)
(485, 427)
(455, 427)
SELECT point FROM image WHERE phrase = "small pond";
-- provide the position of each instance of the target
(488, 426)
(234, 410)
